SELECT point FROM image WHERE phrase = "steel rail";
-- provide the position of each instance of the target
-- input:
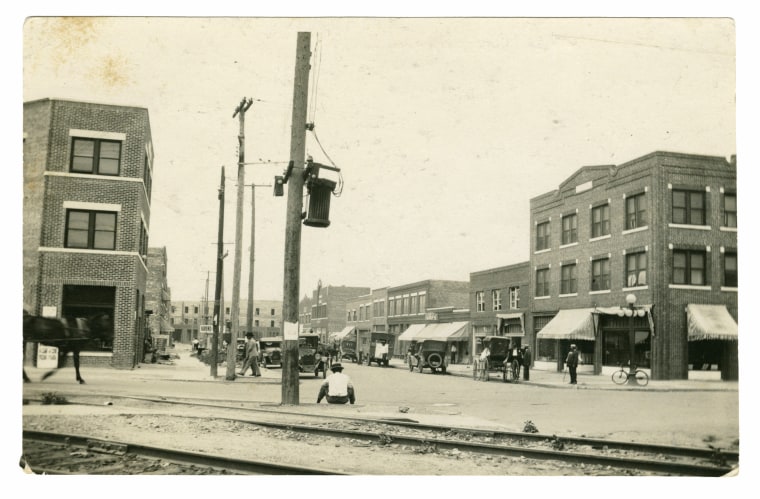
(176, 455)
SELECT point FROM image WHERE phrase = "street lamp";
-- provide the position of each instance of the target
(631, 312)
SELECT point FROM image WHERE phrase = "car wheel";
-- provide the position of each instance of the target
(435, 360)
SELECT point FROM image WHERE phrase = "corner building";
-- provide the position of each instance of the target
(661, 229)
(87, 184)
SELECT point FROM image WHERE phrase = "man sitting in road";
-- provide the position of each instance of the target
(337, 387)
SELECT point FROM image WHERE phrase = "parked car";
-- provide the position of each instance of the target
(347, 349)
(311, 359)
(240, 355)
(270, 351)
(372, 355)
(431, 354)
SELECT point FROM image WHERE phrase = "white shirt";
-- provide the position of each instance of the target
(485, 353)
(337, 384)
(380, 349)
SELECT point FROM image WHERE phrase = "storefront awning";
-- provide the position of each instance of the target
(411, 332)
(505, 317)
(343, 333)
(710, 322)
(569, 324)
(444, 331)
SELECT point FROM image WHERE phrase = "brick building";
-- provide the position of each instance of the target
(499, 301)
(87, 187)
(157, 300)
(365, 314)
(328, 309)
(662, 228)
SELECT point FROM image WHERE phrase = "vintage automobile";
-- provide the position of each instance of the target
(240, 354)
(311, 358)
(431, 354)
(270, 351)
(504, 358)
(376, 339)
(347, 349)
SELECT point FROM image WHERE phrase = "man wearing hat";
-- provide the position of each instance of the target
(251, 356)
(337, 387)
(572, 364)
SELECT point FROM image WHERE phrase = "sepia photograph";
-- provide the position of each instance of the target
(379, 246)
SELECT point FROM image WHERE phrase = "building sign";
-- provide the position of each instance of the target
(431, 316)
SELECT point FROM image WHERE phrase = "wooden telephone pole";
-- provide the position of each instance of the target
(244, 105)
(218, 317)
(290, 394)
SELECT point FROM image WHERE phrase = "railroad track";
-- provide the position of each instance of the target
(61, 454)
(626, 456)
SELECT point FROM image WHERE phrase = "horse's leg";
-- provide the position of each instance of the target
(76, 366)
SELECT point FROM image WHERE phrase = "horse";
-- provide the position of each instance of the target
(68, 335)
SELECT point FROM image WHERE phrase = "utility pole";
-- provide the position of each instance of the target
(290, 394)
(249, 310)
(244, 105)
(218, 321)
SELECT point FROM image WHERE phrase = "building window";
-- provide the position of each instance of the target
(635, 212)
(542, 236)
(272, 312)
(689, 207)
(100, 157)
(542, 282)
(90, 229)
(570, 229)
(689, 267)
(405, 305)
(496, 299)
(730, 269)
(415, 305)
(514, 297)
(423, 303)
(256, 323)
(348, 316)
(271, 323)
(569, 283)
(227, 310)
(729, 210)
(257, 311)
(600, 274)
(147, 177)
(636, 269)
(354, 315)
(187, 310)
(174, 309)
(480, 301)
(600, 221)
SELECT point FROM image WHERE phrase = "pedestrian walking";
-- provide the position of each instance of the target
(572, 364)
(251, 356)
(453, 353)
(337, 388)
(527, 359)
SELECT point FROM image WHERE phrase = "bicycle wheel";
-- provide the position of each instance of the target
(642, 378)
(619, 377)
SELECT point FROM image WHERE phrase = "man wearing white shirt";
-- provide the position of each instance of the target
(337, 388)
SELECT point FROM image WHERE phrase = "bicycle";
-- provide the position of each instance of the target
(622, 376)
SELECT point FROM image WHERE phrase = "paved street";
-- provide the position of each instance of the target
(680, 412)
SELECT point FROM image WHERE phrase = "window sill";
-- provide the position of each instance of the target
(688, 226)
(568, 295)
(568, 245)
(689, 286)
(636, 288)
(728, 229)
(599, 292)
(637, 229)
(729, 289)
(606, 236)
(542, 297)
(538, 252)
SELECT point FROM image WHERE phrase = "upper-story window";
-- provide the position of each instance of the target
(636, 269)
(729, 210)
(496, 299)
(689, 267)
(730, 269)
(423, 303)
(600, 274)
(688, 207)
(542, 282)
(635, 211)
(187, 310)
(271, 323)
(480, 301)
(570, 229)
(600, 220)
(514, 297)
(542, 236)
(96, 156)
(569, 283)
(271, 312)
(406, 305)
(90, 229)
(227, 310)
(195, 310)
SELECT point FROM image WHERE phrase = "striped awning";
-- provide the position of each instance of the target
(710, 322)
(444, 331)
(411, 332)
(342, 334)
(569, 324)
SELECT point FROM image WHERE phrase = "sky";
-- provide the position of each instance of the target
(443, 128)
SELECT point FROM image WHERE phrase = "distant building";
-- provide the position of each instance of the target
(188, 316)
(157, 301)
(662, 228)
(87, 190)
(328, 309)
